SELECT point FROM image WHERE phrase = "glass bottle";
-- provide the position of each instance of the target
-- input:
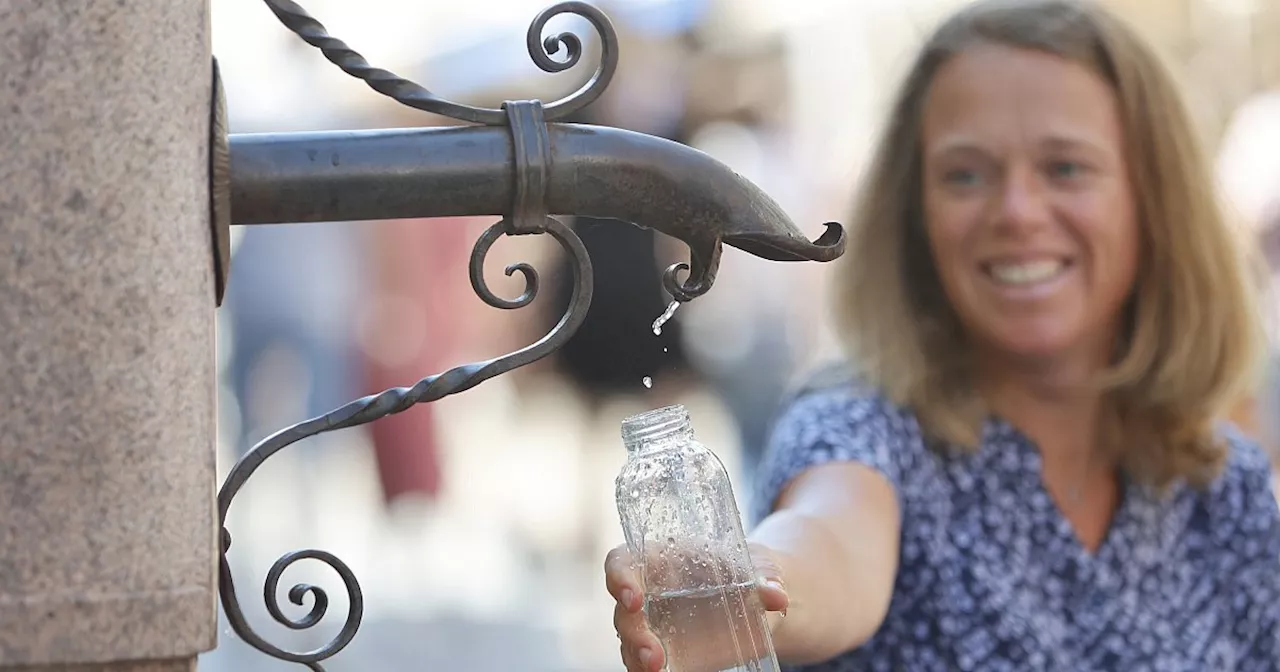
(685, 535)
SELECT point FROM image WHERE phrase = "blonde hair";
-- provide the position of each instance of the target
(1194, 333)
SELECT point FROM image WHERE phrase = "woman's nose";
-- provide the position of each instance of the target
(1022, 204)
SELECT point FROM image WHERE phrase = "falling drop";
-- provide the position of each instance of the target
(664, 348)
(664, 317)
(648, 382)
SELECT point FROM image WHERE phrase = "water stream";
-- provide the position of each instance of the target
(657, 331)
(665, 317)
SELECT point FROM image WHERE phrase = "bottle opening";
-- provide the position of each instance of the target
(655, 425)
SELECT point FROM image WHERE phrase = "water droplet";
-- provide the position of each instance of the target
(648, 382)
(664, 348)
(665, 317)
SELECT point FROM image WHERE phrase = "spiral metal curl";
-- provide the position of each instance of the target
(704, 261)
(414, 95)
(476, 268)
(373, 407)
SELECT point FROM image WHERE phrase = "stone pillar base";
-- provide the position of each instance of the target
(108, 379)
(170, 665)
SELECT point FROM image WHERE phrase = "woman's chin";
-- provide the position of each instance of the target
(1034, 345)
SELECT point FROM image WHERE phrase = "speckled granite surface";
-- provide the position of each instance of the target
(106, 335)
(172, 665)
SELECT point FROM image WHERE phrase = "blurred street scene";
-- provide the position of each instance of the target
(477, 525)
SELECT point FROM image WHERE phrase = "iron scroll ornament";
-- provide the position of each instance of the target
(370, 408)
(414, 95)
(514, 165)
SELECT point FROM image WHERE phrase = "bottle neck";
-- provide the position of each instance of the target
(656, 430)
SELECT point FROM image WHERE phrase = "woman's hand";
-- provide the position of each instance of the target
(641, 649)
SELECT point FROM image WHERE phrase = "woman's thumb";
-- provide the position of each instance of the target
(773, 593)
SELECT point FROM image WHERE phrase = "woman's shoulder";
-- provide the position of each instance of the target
(1242, 496)
(1247, 464)
(1239, 531)
(1246, 458)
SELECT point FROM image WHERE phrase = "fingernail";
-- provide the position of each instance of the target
(768, 582)
(626, 598)
(645, 656)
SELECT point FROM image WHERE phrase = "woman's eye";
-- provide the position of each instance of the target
(961, 177)
(1065, 169)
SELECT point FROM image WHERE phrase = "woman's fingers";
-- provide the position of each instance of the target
(629, 659)
(634, 663)
(641, 650)
(620, 579)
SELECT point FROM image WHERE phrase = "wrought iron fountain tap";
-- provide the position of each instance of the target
(517, 163)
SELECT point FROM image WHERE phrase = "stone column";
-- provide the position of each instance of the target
(107, 371)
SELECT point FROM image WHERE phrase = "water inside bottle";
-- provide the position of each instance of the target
(714, 629)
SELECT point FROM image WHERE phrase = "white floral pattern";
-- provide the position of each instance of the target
(992, 577)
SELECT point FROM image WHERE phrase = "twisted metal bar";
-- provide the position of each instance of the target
(377, 406)
(407, 92)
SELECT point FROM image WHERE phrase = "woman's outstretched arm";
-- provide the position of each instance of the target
(834, 536)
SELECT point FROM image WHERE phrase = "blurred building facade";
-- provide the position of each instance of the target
(484, 516)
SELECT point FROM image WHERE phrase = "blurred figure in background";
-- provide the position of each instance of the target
(615, 349)
(1249, 170)
(289, 303)
(417, 305)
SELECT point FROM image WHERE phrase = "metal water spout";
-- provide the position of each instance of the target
(479, 170)
(517, 163)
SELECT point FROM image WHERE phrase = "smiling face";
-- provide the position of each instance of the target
(1028, 207)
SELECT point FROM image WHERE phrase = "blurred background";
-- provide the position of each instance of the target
(477, 525)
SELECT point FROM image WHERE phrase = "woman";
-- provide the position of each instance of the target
(1048, 315)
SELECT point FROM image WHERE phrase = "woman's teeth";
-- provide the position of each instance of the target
(1026, 273)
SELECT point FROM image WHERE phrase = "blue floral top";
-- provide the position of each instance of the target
(992, 577)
